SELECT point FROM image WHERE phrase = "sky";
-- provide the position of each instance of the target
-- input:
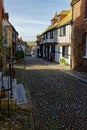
(32, 17)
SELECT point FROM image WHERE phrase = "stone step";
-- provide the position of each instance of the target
(20, 94)
(6, 104)
(3, 93)
(17, 91)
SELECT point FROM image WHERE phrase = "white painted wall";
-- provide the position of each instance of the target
(60, 56)
(54, 39)
(67, 37)
(57, 53)
(60, 39)
(5, 23)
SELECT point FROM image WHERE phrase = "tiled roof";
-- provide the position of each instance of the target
(55, 16)
(64, 21)
(64, 12)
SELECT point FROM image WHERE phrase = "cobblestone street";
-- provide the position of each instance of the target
(59, 100)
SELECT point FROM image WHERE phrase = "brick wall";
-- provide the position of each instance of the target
(0, 18)
(78, 36)
(0, 11)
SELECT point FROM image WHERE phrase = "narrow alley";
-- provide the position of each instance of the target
(59, 100)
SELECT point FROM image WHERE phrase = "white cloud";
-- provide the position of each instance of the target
(28, 28)
(17, 20)
(33, 16)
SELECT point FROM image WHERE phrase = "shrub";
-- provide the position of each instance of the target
(63, 60)
(19, 55)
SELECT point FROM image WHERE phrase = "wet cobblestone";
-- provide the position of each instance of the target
(59, 100)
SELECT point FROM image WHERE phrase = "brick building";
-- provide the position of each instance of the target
(1, 16)
(10, 35)
(79, 35)
(2, 50)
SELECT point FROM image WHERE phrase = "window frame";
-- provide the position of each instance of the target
(46, 35)
(64, 50)
(51, 34)
(63, 31)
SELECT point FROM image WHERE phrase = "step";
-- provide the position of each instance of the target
(5, 103)
(20, 94)
(3, 93)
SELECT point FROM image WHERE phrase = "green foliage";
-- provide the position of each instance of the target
(19, 55)
(7, 53)
(63, 60)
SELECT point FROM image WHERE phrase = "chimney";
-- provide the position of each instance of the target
(7, 16)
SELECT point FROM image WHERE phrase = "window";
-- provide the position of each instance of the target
(86, 9)
(46, 35)
(43, 37)
(58, 19)
(58, 32)
(65, 51)
(51, 34)
(62, 31)
(52, 49)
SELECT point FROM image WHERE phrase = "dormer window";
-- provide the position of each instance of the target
(58, 19)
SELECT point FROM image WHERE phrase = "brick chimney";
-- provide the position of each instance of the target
(6, 16)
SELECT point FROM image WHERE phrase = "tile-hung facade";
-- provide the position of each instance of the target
(55, 41)
(79, 35)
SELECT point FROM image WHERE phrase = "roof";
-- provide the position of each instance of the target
(55, 16)
(63, 22)
(66, 19)
(64, 12)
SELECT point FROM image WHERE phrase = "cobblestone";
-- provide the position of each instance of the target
(59, 100)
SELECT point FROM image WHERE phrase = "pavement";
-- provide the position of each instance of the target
(82, 76)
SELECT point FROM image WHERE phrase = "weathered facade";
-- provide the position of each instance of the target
(79, 35)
